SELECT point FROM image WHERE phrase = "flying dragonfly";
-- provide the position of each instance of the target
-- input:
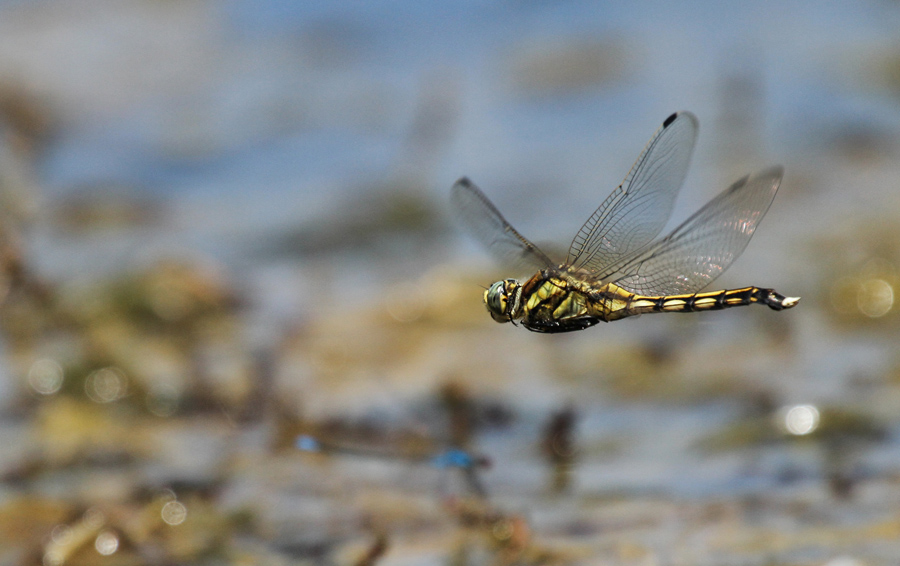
(614, 268)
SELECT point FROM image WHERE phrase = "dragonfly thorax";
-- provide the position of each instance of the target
(502, 300)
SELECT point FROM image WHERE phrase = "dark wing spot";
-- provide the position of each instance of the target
(670, 119)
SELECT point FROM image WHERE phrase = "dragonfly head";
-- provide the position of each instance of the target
(502, 300)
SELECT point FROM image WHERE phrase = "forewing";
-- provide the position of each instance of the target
(637, 209)
(707, 243)
(485, 222)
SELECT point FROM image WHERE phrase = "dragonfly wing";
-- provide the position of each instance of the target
(707, 243)
(637, 209)
(485, 222)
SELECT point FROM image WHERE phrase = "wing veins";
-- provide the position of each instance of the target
(635, 212)
(700, 249)
(483, 220)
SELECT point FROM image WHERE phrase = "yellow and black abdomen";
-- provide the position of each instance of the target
(714, 300)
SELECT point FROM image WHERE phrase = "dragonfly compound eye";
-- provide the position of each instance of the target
(497, 298)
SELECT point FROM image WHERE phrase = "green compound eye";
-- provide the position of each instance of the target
(495, 299)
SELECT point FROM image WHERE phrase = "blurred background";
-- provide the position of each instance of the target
(239, 327)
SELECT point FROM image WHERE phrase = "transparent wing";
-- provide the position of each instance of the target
(707, 243)
(485, 222)
(637, 209)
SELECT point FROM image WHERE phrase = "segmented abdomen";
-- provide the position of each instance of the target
(714, 300)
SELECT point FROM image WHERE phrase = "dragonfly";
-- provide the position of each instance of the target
(616, 267)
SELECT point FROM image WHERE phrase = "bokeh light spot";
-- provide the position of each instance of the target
(800, 420)
(94, 518)
(174, 513)
(875, 297)
(106, 385)
(60, 534)
(45, 376)
(106, 543)
(502, 530)
(53, 558)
